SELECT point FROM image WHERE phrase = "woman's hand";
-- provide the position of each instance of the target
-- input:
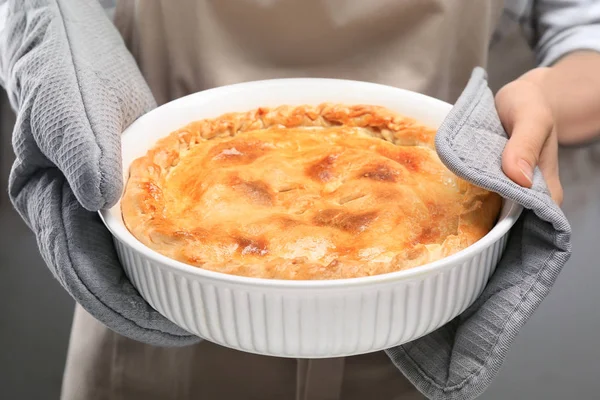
(528, 119)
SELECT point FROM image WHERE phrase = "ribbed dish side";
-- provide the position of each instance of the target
(312, 323)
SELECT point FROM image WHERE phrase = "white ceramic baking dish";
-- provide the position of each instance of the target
(304, 319)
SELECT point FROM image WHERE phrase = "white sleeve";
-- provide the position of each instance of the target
(559, 27)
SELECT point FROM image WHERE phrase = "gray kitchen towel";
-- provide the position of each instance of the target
(460, 360)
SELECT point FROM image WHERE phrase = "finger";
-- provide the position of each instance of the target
(529, 124)
(550, 169)
(556, 191)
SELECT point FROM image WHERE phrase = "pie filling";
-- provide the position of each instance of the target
(323, 192)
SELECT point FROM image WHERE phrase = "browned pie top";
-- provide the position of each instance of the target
(305, 192)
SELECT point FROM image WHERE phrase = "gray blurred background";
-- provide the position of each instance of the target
(554, 358)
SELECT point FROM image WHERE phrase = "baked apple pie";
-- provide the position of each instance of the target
(305, 193)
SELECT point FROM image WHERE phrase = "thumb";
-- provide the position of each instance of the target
(77, 90)
(529, 124)
(523, 150)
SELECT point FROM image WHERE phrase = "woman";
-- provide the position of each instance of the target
(429, 46)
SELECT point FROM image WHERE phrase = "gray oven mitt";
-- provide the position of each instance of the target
(460, 360)
(75, 88)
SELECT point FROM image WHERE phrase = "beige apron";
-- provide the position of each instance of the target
(183, 46)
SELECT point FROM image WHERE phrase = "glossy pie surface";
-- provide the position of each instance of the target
(308, 192)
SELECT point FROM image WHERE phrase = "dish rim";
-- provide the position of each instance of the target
(509, 213)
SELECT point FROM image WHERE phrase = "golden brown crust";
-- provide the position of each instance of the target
(303, 193)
